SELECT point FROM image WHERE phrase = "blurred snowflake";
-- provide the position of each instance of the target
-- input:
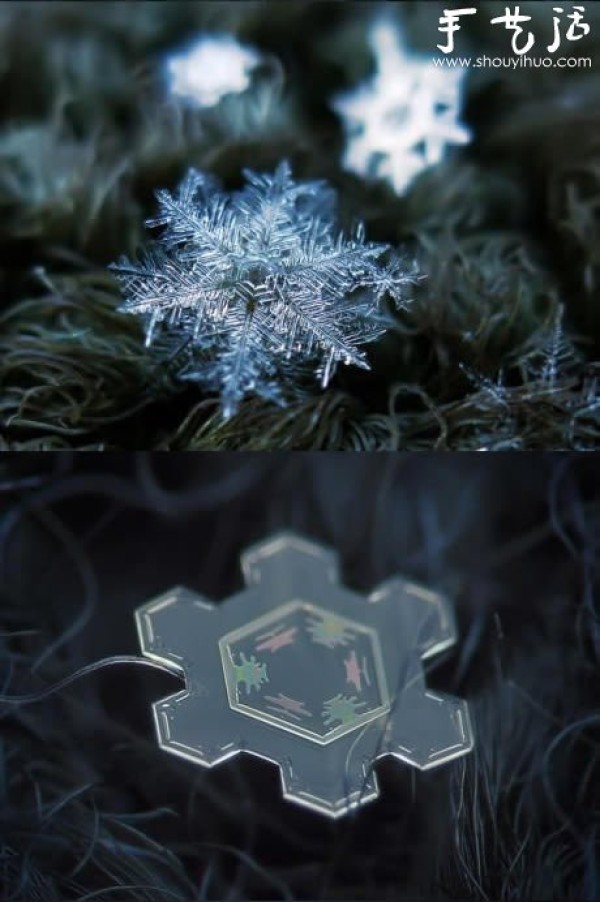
(215, 65)
(400, 121)
(260, 286)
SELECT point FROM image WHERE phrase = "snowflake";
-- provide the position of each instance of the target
(400, 121)
(212, 67)
(554, 357)
(259, 285)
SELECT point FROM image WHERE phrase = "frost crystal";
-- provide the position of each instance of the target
(214, 66)
(260, 285)
(400, 121)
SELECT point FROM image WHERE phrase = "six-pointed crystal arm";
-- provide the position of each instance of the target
(424, 728)
(171, 629)
(334, 779)
(287, 560)
(426, 618)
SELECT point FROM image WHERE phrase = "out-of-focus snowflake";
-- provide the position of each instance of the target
(400, 121)
(260, 284)
(212, 67)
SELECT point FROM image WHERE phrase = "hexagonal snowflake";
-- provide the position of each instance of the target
(297, 670)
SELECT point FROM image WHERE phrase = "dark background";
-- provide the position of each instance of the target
(91, 808)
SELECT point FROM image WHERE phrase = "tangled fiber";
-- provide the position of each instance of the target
(91, 808)
(500, 346)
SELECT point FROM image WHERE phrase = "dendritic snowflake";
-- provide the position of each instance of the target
(260, 284)
(400, 121)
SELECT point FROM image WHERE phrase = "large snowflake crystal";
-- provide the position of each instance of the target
(259, 285)
(259, 682)
(400, 122)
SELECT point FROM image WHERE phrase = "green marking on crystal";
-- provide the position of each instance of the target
(341, 708)
(250, 672)
(329, 630)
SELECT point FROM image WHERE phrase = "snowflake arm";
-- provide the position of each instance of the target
(196, 214)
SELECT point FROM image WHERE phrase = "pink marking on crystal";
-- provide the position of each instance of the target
(291, 705)
(277, 641)
(353, 671)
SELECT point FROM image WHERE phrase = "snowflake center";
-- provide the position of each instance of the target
(254, 272)
(270, 666)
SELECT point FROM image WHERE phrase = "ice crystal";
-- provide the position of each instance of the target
(215, 65)
(555, 358)
(260, 284)
(550, 376)
(400, 121)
